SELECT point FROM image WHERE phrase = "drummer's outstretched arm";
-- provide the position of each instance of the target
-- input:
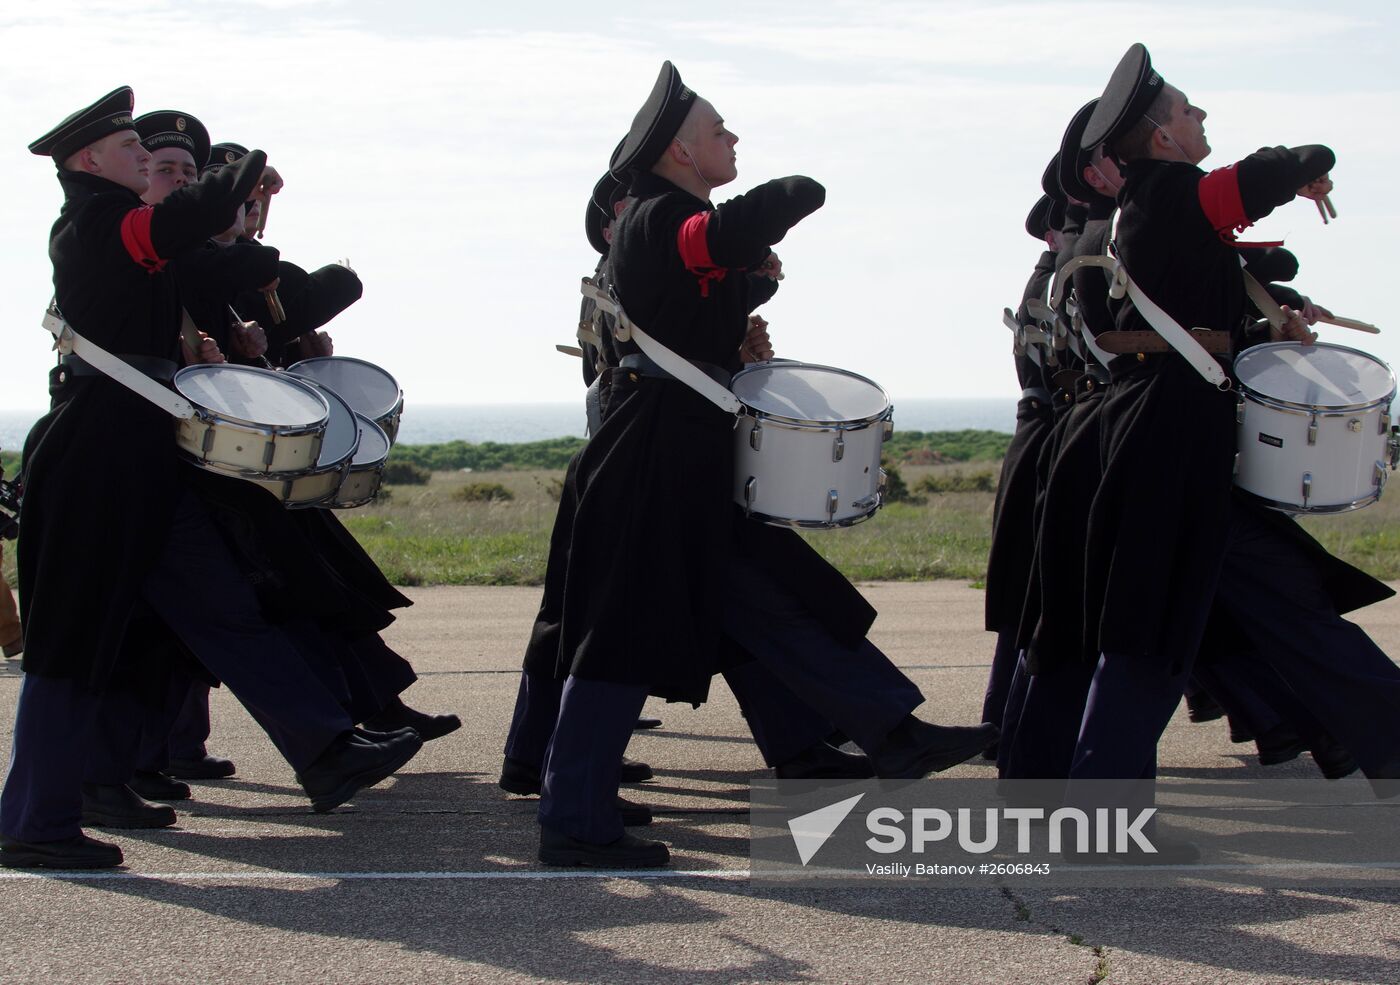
(741, 232)
(1272, 176)
(190, 215)
(238, 267)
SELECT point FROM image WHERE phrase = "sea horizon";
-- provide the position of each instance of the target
(515, 423)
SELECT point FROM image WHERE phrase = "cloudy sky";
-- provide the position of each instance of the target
(448, 149)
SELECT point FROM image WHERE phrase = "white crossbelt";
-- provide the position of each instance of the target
(679, 367)
(1057, 296)
(69, 342)
(1168, 327)
(1164, 324)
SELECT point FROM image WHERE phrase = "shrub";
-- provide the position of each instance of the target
(958, 482)
(405, 474)
(896, 489)
(484, 492)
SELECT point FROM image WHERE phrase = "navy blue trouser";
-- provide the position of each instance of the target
(190, 730)
(854, 688)
(1005, 662)
(1272, 589)
(782, 726)
(54, 723)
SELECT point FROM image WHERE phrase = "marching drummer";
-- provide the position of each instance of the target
(663, 568)
(110, 252)
(1009, 561)
(1166, 536)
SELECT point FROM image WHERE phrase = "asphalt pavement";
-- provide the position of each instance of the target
(431, 876)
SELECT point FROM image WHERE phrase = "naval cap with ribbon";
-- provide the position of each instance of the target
(1038, 220)
(1050, 179)
(222, 154)
(1074, 157)
(108, 115)
(173, 128)
(1125, 99)
(600, 209)
(655, 125)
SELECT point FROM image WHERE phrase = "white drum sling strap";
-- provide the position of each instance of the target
(70, 342)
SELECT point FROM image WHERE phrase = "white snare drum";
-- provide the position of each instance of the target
(1314, 431)
(315, 485)
(807, 450)
(366, 474)
(368, 389)
(249, 421)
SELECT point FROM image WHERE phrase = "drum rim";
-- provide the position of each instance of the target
(354, 419)
(829, 424)
(1310, 410)
(208, 414)
(1295, 509)
(388, 445)
(398, 405)
(1319, 409)
(780, 521)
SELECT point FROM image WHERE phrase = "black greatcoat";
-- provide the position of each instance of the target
(655, 522)
(309, 300)
(101, 473)
(1158, 522)
(1013, 510)
(1056, 635)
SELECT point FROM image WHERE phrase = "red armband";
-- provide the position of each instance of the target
(136, 237)
(1223, 205)
(695, 251)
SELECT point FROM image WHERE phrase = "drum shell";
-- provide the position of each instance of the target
(248, 450)
(389, 423)
(1345, 458)
(304, 489)
(360, 486)
(365, 474)
(785, 472)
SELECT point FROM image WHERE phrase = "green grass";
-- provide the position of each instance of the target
(428, 535)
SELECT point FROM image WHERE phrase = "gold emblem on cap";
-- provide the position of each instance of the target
(230, 157)
(180, 124)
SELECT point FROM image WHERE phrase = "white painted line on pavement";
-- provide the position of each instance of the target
(531, 875)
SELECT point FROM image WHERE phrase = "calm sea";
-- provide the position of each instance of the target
(432, 423)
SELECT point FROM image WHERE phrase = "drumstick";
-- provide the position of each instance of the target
(1327, 201)
(274, 307)
(262, 217)
(1352, 323)
(1321, 210)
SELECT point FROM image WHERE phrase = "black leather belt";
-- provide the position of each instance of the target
(643, 365)
(162, 370)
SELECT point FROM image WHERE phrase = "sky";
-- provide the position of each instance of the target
(447, 150)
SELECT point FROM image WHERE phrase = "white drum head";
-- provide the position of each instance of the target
(367, 388)
(252, 396)
(342, 430)
(374, 443)
(810, 394)
(1321, 376)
